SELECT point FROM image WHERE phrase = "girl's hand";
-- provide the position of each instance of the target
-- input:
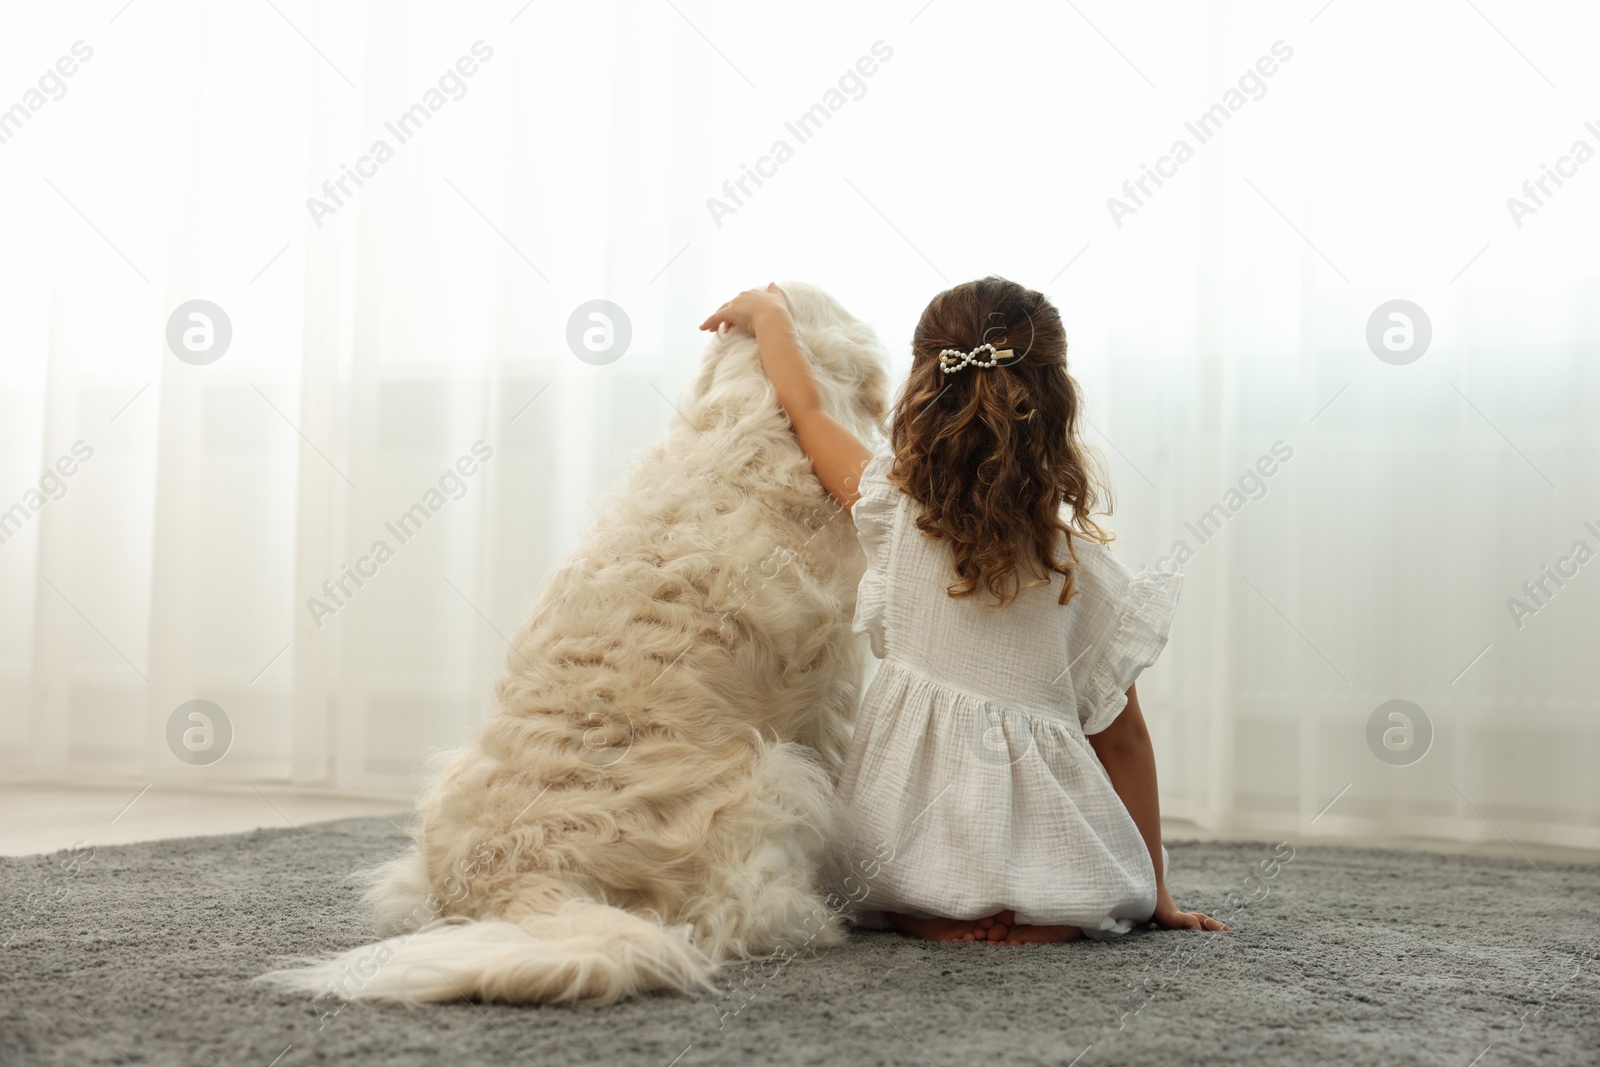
(1168, 917)
(749, 310)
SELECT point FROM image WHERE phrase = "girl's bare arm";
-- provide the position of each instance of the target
(1125, 751)
(837, 455)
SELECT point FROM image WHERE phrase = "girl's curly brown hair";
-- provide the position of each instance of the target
(992, 453)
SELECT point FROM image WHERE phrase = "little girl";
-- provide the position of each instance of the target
(1001, 778)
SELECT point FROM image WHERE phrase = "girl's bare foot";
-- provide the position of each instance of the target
(990, 928)
(931, 929)
(1041, 935)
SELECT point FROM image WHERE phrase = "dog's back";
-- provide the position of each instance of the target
(653, 793)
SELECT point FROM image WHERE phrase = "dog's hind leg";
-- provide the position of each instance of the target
(398, 894)
(766, 890)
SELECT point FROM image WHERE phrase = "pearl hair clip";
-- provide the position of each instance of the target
(953, 359)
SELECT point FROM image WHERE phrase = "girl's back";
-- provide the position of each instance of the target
(970, 783)
(1034, 654)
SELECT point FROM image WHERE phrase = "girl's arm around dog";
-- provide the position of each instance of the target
(837, 455)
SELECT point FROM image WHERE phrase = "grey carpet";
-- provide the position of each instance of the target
(142, 954)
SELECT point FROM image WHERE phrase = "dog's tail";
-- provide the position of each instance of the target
(582, 953)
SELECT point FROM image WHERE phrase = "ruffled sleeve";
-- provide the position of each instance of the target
(874, 513)
(1135, 613)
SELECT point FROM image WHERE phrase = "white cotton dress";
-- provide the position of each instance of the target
(969, 782)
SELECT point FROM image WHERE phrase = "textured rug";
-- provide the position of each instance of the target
(142, 954)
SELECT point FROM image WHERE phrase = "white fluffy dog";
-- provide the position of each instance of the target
(653, 794)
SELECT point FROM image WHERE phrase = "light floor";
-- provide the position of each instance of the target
(44, 817)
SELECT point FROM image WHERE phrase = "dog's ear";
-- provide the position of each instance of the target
(873, 399)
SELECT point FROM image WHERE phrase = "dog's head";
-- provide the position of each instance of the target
(846, 353)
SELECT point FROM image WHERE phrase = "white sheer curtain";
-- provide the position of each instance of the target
(378, 337)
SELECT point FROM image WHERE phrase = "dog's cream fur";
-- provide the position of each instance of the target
(653, 794)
